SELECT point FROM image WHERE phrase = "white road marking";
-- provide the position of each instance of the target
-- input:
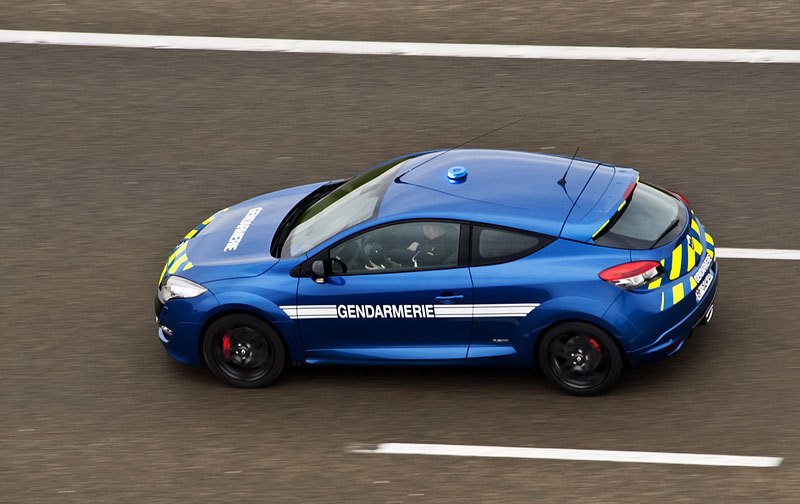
(748, 253)
(563, 454)
(402, 48)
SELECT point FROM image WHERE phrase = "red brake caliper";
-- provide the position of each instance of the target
(226, 347)
(593, 342)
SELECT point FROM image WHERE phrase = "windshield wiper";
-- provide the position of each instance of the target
(666, 231)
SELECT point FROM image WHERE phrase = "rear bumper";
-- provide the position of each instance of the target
(671, 341)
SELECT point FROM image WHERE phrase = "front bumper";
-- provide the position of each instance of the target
(180, 324)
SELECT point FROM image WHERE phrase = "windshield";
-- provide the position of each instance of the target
(652, 217)
(349, 204)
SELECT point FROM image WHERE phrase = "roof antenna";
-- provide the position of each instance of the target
(563, 180)
(515, 121)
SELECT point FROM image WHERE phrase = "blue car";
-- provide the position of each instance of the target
(462, 256)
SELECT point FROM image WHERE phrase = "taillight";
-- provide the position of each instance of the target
(632, 274)
(682, 198)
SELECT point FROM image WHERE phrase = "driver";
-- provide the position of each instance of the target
(434, 248)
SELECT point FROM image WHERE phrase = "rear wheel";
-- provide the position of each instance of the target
(244, 351)
(580, 358)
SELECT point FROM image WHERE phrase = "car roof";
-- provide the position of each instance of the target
(511, 188)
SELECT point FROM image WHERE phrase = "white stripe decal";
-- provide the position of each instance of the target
(640, 457)
(316, 311)
(512, 305)
(401, 48)
(439, 311)
(501, 309)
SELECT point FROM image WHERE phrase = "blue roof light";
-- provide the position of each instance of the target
(456, 174)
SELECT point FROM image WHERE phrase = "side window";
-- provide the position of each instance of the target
(491, 245)
(407, 246)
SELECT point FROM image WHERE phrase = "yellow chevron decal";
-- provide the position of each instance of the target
(176, 264)
(677, 293)
(161, 277)
(690, 258)
(177, 251)
(677, 255)
(698, 247)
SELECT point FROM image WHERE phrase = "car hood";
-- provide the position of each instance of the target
(235, 241)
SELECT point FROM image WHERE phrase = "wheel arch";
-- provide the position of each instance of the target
(586, 319)
(291, 346)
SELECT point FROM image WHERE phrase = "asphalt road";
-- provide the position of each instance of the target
(108, 156)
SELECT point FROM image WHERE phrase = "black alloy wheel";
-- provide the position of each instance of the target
(580, 358)
(243, 351)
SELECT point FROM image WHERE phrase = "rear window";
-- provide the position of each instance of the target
(650, 219)
(492, 245)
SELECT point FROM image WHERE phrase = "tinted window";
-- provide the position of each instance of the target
(652, 218)
(407, 246)
(495, 245)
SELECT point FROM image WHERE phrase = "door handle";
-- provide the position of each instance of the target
(448, 298)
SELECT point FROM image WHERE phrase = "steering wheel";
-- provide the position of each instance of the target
(373, 254)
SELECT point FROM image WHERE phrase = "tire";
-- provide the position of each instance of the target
(580, 358)
(243, 351)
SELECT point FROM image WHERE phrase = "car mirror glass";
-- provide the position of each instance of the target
(318, 271)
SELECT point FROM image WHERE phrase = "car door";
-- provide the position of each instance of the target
(510, 282)
(391, 303)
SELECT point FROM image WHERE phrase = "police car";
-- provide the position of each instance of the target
(490, 257)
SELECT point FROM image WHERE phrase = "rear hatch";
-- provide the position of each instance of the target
(687, 261)
(657, 225)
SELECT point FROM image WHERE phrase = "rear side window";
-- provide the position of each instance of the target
(651, 219)
(491, 245)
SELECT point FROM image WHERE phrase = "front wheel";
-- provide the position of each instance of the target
(580, 358)
(243, 351)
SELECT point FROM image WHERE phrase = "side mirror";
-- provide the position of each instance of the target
(322, 268)
(318, 271)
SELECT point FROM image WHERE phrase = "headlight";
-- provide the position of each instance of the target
(177, 287)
